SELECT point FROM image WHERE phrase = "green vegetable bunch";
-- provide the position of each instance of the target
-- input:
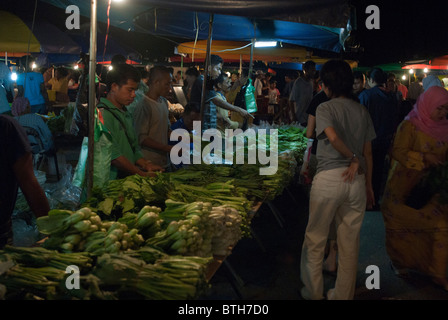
(130, 194)
(38, 273)
(83, 230)
(147, 221)
(169, 278)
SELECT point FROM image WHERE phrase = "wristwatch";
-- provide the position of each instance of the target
(353, 157)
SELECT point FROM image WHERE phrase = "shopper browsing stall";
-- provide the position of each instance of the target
(127, 158)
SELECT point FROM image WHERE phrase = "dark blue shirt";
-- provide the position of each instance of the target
(383, 109)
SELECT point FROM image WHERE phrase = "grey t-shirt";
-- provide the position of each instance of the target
(151, 119)
(301, 94)
(353, 125)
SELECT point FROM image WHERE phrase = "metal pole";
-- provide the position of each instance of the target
(207, 64)
(92, 95)
(252, 51)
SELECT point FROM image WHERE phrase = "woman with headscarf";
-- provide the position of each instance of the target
(417, 239)
(431, 81)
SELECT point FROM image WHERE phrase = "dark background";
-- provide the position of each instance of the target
(409, 30)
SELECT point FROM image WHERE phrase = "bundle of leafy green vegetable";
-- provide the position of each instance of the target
(130, 194)
(168, 278)
(37, 273)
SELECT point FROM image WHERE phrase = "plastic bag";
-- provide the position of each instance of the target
(101, 155)
(249, 96)
(80, 170)
(25, 233)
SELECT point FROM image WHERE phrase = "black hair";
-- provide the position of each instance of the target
(214, 60)
(337, 76)
(220, 78)
(120, 75)
(359, 75)
(308, 64)
(378, 76)
(118, 59)
(192, 107)
(192, 72)
(157, 71)
(62, 71)
(244, 72)
(145, 73)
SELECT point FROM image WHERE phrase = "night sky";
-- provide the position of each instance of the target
(409, 30)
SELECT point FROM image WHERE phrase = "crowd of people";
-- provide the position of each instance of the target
(373, 141)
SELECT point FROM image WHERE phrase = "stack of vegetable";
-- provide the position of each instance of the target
(83, 230)
(135, 275)
(38, 273)
(130, 194)
(148, 221)
(198, 229)
(188, 231)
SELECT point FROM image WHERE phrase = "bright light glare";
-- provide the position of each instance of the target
(260, 44)
(33, 66)
(403, 77)
(76, 67)
(110, 67)
(411, 71)
(425, 70)
(14, 76)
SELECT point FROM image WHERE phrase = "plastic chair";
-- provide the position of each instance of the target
(38, 150)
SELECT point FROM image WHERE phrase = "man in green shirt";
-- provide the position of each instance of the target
(127, 158)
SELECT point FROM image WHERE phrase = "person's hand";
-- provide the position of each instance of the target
(432, 159)
(151, 167)
(350, 173)
(370, 197)
(244, 113)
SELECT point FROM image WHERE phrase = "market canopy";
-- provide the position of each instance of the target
(194, 25)
(19, 42)
(238, 50)
(43, 36)
(233, 20)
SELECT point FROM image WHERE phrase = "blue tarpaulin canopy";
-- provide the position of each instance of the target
(308, 23)
(192, 25)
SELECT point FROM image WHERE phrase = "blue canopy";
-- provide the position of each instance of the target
(233, 19)
(189, 25)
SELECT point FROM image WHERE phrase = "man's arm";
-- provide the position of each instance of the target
(123, 164)
(225, 105)
(311, 127)
(35, 196)
(340, 146)
(151, 143)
